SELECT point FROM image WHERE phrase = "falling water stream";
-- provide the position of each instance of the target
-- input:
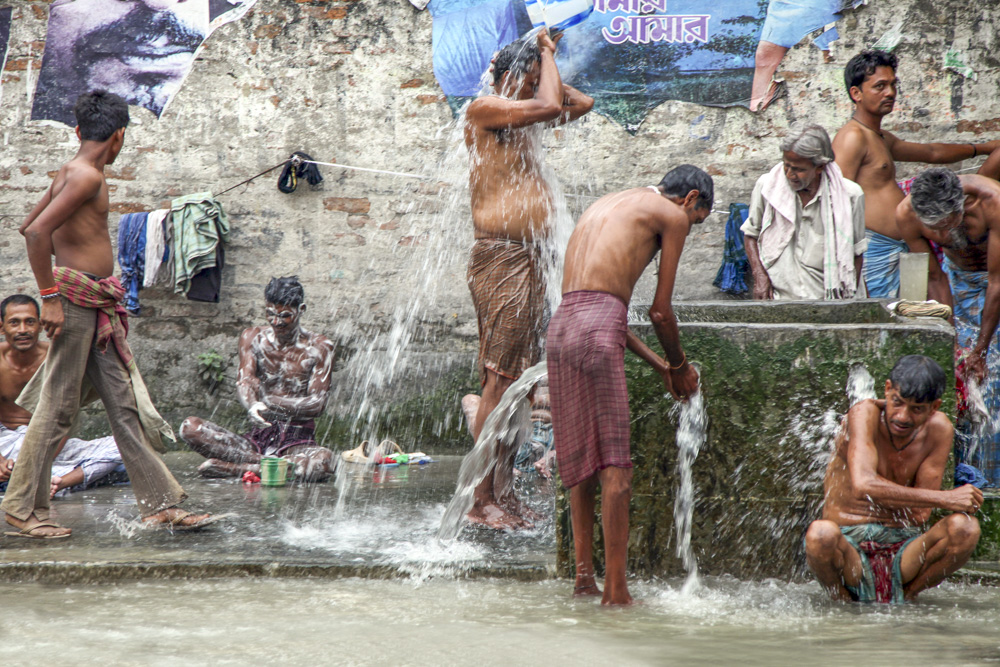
(692, 424)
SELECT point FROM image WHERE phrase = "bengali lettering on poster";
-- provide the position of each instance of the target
(646, 21)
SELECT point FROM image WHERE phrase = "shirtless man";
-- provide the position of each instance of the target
(284, 382)
(78, 463)
(79, 294)
(612, 244)
(511, 205)
(962, 215)
(866, 154)
(881, 485)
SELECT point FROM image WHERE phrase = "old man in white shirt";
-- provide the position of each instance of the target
(805, 234)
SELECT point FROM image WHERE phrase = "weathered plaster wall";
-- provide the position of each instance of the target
(351, 81)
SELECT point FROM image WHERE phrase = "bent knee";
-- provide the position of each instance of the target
(822, 537)
(189, 427)
(963, 530)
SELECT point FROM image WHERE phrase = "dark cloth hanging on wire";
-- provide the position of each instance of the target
(132, 256)
(732, 275)
(296, 170)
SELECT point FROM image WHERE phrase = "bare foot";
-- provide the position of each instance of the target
(176, 518)
(33, 527)
(585, 586)
(219, 469)
(617, 600)
(493, 516)
(515, 507)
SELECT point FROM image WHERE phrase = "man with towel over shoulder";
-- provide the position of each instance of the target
(614, 241)
(805, 233)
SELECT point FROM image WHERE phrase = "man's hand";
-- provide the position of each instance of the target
(684, 381)
(255, 414)
(975, 367)
(762, 289)
(52, 317)
(545, 41)
(6, 467)
(965, 498)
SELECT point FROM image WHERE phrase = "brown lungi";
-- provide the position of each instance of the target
(586, 362)
(508, 291)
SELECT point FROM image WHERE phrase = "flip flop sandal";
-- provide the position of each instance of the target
(26, 532)
(357, 455)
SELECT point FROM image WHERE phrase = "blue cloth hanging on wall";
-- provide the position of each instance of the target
(132, 256)
(732, 275)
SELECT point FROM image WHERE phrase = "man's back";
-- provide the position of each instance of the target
(82, 242)
(615, 239)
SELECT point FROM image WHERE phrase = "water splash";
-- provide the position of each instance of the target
(860, 385)
(691, 431)
(509, 423)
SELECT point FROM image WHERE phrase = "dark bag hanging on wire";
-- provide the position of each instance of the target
(299, 166)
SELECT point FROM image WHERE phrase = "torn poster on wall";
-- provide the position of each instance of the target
(137, 49)
(632, 55)
(5, 17)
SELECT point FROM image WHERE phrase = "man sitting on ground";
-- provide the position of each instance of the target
(881, 485)
(961, 214)
(78, 464)
(805, 234)
(284, 382)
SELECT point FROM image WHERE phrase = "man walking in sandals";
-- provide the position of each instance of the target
(83, 318)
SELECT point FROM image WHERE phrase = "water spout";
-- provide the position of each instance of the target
(691, 431)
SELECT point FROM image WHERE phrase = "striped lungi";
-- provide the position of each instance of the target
(586, 362)
(508, 291)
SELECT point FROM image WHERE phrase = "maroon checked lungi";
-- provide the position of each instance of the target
(586, 362)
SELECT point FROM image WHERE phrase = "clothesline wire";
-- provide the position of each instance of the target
(266, 171)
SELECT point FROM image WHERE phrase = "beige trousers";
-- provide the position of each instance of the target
(72, 356)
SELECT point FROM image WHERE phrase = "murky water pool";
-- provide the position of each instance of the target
(444, 621)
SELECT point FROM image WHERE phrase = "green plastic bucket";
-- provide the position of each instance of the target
(273, 471)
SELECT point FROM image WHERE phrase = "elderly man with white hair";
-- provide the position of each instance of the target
(805, 234)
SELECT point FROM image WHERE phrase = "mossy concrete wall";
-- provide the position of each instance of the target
(774, 389)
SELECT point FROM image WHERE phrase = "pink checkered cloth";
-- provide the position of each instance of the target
(586, 361)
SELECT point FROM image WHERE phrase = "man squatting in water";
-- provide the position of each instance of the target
(511, 206)
(87, 334)
(612, 244)
(284, 382)
(881, 484)
(866, 154)
(78, 464)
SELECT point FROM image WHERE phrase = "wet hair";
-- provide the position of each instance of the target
(681, 180)
(811, 142)
(918, 378)
(863, 65)
(17, 300)
(285, 291)
(935, 194)
(99, 114)
(518, 57)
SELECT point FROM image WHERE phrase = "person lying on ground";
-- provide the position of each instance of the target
(881, 484)
(78, 464)
(284, 382)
